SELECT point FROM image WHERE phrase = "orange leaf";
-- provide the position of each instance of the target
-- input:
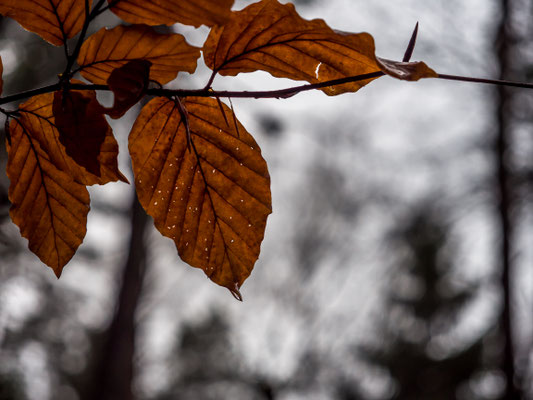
(53, 20)
(48, 206)
(212, 200)
(128, 84)
(107, 50)
(168, 12)
(38, 118)
(272, 37)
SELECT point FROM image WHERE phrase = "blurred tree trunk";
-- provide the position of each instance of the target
(114, 372)
(505, 206)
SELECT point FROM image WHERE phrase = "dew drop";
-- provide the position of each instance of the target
(249, 225)
(232, 240)
(155, 203)
(170, 165)
(214, 171)
(186, 244)
(236, 148)
(206, 249)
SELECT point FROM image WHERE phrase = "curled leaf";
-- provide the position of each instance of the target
(53, 20)
(407, 71)
(212, 200)
(48, 206)
(82, 128)
(37, 115)
(109, 49)
(168, 12)
(128, 83)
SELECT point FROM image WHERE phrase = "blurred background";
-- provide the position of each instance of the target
(396, 263)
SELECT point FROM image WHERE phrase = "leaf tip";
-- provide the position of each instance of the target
(235, 291)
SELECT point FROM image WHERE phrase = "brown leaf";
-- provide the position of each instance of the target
(48, 206)
(107, 50)
(53, 20)
(82, 127)
(38, 117)
(213, 200)
(168, 12)
(407, 71)
(272, 37)
(128, 84)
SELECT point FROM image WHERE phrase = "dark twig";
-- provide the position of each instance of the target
(263, 94)
(89, 16)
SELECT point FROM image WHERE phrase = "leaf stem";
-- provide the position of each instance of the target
(89, 16)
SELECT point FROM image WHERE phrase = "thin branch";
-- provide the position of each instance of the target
(261, 94)
(488, 81)
(89, 16)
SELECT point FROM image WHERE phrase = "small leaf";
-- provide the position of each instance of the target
(407, 71)
(168, 12)
(37, 115)
(107, 50)
(53, 20)
(272, 37)
(48, 206)
(213, 200)
(82, 127)
(128, 84)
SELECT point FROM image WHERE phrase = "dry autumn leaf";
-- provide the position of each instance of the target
(82, 127)
(212, 200)
(48, 206)
(272, 37)
(128, 84)
(1, 76)
(54, 20)
(109, 49)
(37, 116)
(168, 12)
